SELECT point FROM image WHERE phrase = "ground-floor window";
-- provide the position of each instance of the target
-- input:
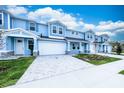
(31, 46)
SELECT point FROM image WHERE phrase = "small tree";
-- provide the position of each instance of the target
(118, 49)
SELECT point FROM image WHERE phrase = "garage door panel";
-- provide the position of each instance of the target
(49, 48)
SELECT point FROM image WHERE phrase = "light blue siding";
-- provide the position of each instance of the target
(26, 50)
(41, 29)
(73, 34)
(10, 43)
(17, 23)
(11, 23)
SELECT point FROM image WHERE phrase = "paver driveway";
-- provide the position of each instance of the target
(48, 66)
(80, 74)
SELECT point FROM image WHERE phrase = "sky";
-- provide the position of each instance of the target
(102, 19)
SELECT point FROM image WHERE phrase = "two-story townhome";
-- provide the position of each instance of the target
(25, 37)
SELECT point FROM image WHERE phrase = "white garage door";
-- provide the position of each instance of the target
(49, 48)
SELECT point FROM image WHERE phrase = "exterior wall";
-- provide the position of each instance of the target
(41, 29)
(89, 36)
(24, 24)
(5, 20)
(27, 52)
(16, 23)
(50, 30)
(10, 43)
(70, 33)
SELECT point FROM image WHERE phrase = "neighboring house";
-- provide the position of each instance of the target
(26, 37)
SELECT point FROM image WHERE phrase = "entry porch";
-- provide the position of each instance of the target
(18, 42)
(77, 46)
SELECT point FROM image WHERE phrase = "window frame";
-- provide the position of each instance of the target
(88, 36)
(59, 30)
(28, 42)
(73, 32)
(30, 26)
(76, 33)
(1, 19)
(52, 29)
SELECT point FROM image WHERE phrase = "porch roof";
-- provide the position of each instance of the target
(18, 32)
(76, 39)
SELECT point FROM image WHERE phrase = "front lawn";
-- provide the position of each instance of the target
(96, 59)
(121, 72)
(12, 70)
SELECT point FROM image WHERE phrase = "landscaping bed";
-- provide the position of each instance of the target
(121, 72)
(12, 70)
(96, 59)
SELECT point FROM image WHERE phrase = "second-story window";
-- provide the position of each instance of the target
(91, 36)
(60, 30)
(76, 33)
(88, 36)
(72, 32)
(32, 26)
(0, 19)
(54, 29)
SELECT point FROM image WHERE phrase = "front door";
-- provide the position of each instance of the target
(19, 47)
(31, 46)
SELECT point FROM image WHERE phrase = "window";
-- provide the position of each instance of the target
(60, 30)
(54, 29)
(78, 47)
(30, 44)
(19, 41)
(76, 33)
(96, 39)
(72, 32)
(32, 26)
(91, 36)
(73, 46)
(88, 36)
(0, 19)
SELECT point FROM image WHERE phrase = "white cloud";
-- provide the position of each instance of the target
(105, 32)
(109, 27)
(17, 10)
(48, 14)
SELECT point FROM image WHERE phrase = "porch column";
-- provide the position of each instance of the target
(68, 46)
(80, 46)
(106, 48)
(4, 43)
(88, 47)
(35, 50)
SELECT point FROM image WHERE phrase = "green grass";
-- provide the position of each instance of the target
(96, 59)
(12, 70)
(121, 72)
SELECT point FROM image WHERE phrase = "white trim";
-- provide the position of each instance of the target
(20, 29)
(59, 37)
(49, 29)
(8, 21)
(78, 41)
(12, 23)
